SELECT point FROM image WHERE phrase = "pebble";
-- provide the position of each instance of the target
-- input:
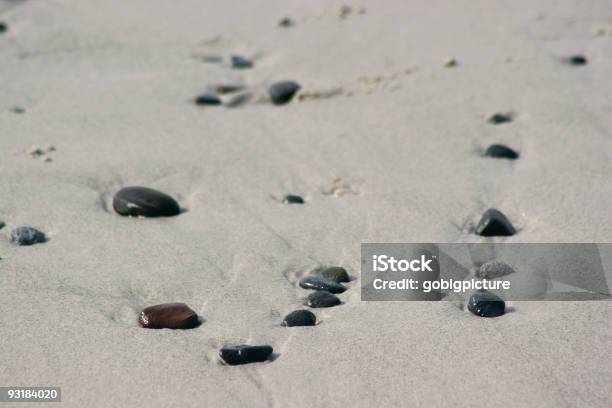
(321, 283)
(577, 60)
(239, 62)
(499, 118)
(322, 298)
(486, 304)
(168, 316)
(336, 273)
(285, 22)
(501, 152)
(299, 318)
(225, 89)
(207, 99)
(3, 27)
(244, 354)
(27, 236)
(144, 202)
(494, 224)
(293, 199)
(2, 224)
(18, 110)
(282, 92)
(450, 63)
(493, 269)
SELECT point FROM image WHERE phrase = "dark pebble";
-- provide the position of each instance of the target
(500, 118)
(577, 60)
(494, 224)
(501, 152)
(207, 99)
(3, 27)
(486, 304)
(2, 225)
(144, 202)
(336, 273)
(245, 354)
(321, 298)
(293, 199)
(168, 316)
(321, 283)
(299, 318)
(27, 236)
(224, 89)
(239, 62)
(285, 22)
(282, 92)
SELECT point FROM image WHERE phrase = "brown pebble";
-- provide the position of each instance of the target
(168, 316)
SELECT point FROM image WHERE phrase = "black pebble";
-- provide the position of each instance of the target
(2, 224)
(493, 223)
(285, 22)
(486, 304)
(207, 99)
(501, 152)
(239, 62)
(27, 236)
(321, 283)
(293, 199)
(336, 273)
(322, 298)
(282, 92)
(577, 60)
(500, 118)
(299, 318)
(224, 89)
(168, 316)
(3, 27)
(244, 354)
(144, 202)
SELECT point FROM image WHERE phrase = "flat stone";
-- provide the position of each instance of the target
(144, 202)
(501, 152)
(300, 318)
(208, 99)
(486, 304)
(321, 298)
(282, 92)
(239, 62)
(3, 27)
(224, 89)
(317, 282)
(493, 269)
(499, 118)
(577, 60)
(336, 273)
(168, 316)
(293, 199)
(27, 236)
(244, 354)
(285, 22)
(494, 224)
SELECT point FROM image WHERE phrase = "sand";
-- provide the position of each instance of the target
(384, 143)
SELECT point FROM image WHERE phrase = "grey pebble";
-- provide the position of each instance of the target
(299, 318)
(27, 236)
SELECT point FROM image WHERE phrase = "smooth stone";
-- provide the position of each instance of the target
(3, 27)
(244, 354)
(500, 118)
(168, 316)
(577, 60)
(322, 298)
(239, 62)
(144, 202)
(494, 224)
(501, 152)
(207, 99)
(285, 22)
(336, 273)
(493, 269)
(282, 92)
(321, 283)
(225, 89)
(2, 225)
(27, 236)
(293, 199)
(299, 318)
(486, 304)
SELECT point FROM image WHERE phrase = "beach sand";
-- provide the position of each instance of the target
(384, 143)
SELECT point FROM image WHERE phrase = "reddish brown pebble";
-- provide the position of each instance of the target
(168, 316)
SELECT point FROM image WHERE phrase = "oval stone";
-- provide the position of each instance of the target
(493, 269)
(293, 199)
(321, 298)
(501, 152)
(336, 273)
(577, 60)
(244, 354)
(207, 99)
(169, 316)
(499, 118)
(299, 318)
(144, 202)
(27, 236)
(239, 62)
(494, 224)
(486, 304)
(317, 282)
(282, 92)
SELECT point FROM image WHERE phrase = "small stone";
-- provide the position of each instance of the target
(450, 63)
(493, 223)
(168, 316)
(493, 269)
(499, 118)
(225, 89)
(3, 27)
(244, 354)
(345, 11)
(486, 304)
(144, 202)
(285, 22)
(321, 283)
(299, 318)
(18, 110)
(336, 273)
(207, 99)
(239, 62)
(282, 92)
(2, 224)
(501, 152)
(322, 298)
(27, 236)
(293, 199)
(577, 60)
